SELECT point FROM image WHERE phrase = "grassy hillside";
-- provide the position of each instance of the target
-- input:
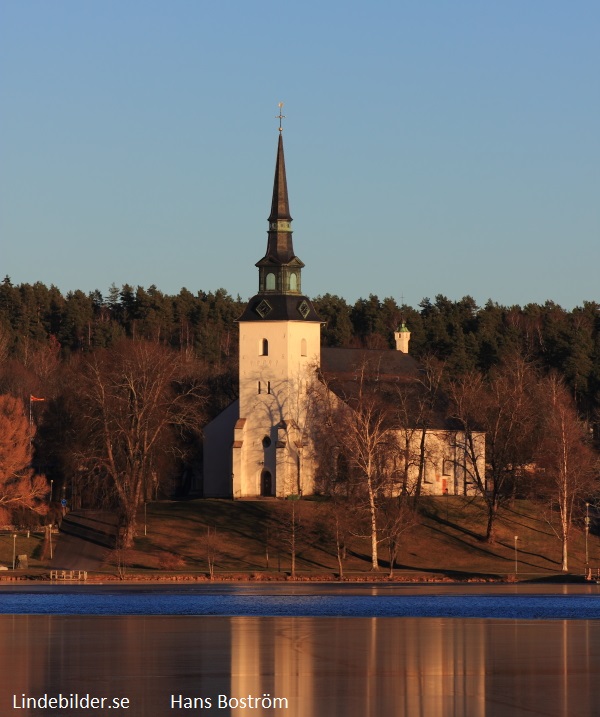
(251, 538)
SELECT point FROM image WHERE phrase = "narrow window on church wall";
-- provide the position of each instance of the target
(259, 387)
(293, 282)
(264, 347)
(270, 282)
(303, 347)
(268, 387)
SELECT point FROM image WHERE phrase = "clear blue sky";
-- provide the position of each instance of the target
(436, 147)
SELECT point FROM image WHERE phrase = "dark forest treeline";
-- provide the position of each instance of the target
(33, 314)
(38, 324)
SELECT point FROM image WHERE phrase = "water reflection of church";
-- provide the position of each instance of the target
(364, 667)
(356, 667)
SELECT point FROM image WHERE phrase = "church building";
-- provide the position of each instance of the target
(260, 444)
(253, 448)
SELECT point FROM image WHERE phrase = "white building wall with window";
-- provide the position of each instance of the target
(277, 359)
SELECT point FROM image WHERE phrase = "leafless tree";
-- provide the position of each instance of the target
(338, 520)
(363, 433)
(502, 405)
(134, 400)
(20, 488)
(569, 467)
(302, 411)
(414, 402)
(121, 558)
(289, 529)
(396, 517)
(211, 550)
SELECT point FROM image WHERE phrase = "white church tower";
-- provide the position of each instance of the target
(280, 348)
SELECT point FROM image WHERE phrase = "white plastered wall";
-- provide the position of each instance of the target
(448, 468)
(272, 390)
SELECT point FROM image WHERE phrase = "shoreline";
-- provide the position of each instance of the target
(265, 579)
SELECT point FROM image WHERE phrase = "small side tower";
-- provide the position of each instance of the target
(402, 337)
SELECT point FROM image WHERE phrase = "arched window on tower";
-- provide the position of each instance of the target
(303, 348)
(270, 285)
(264, 347)
(293, 282)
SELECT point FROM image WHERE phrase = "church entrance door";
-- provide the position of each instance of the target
(266, 488)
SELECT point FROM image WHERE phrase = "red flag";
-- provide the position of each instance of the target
(33, 398)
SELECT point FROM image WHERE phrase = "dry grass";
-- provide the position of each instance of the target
(31, 546)
(252, 539)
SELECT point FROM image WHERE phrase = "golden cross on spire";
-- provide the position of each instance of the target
(280, 116)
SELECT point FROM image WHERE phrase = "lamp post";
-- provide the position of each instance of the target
(14, 549)
(587, 532)
(51, 488)
(49, 526)
(516, 557)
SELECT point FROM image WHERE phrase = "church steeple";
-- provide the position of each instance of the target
(279, 246)
(280, 206)
(279, 296)
(279, 269)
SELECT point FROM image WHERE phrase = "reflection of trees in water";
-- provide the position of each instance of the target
(323, 666)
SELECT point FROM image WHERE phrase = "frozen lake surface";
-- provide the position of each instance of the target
(321, 650)
(523, 602)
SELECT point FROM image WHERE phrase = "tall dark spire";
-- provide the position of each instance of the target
(279, 247)
(279, 269)
(280, 206)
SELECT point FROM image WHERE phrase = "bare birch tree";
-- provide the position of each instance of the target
(396, 517)
(289, 530)
(364, 435)
(570, 466)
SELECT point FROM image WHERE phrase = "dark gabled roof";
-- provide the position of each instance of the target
(279, 307)
(348, 371)
(385, 365)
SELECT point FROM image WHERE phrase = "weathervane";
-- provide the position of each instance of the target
(280, 116)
